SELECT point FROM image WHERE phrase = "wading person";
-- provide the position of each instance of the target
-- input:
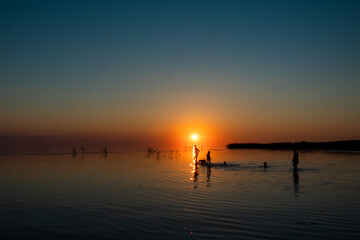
(208, 158)
(195, 153)
(295, 160)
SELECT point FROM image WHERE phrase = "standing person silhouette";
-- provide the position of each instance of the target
(295, 160)
(195, 153)
(208, 158)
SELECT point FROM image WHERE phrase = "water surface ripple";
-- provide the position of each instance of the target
(131, 195)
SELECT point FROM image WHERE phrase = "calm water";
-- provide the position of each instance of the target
(132, 196)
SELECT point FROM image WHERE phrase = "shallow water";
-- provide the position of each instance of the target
(130, 195)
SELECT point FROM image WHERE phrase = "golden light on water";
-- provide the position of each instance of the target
(194, 137)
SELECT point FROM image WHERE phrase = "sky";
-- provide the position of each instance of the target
(152, 73)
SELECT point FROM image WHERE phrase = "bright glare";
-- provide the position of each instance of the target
(194, 137)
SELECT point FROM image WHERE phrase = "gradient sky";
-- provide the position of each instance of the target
(157, 71)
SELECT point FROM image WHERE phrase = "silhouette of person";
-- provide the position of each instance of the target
(74, 151)
(295, 160)
(265, 165)
(196, 153)
(208, 158)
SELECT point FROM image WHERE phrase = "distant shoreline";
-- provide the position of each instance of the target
(352, 145)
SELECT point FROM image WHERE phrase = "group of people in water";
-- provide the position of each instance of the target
(207, 162)
(196, 151)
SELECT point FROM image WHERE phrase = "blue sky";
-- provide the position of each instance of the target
(127, 67)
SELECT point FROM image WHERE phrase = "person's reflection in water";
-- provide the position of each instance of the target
(208, 174)
(105, 155)
(105, 152)
(195, 174)
(296, 183)
(196, 171)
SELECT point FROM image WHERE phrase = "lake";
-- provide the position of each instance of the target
(133, 195)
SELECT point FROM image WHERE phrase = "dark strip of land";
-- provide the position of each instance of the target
(353, 145)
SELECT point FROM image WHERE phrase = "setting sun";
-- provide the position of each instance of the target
(194, 136)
